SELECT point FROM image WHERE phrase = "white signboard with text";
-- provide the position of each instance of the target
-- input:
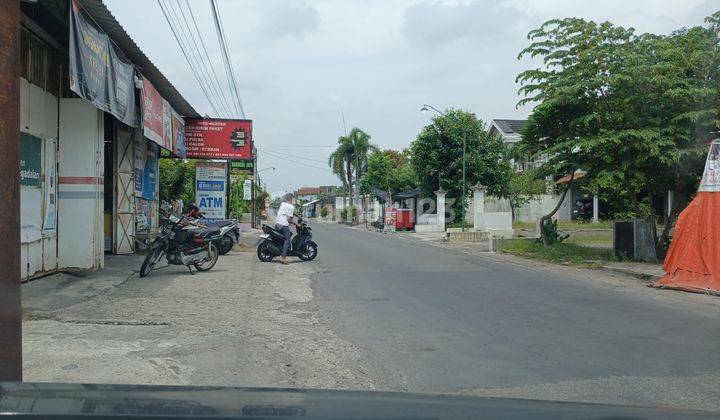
(710, 181)
(247, 190)
(211, 188)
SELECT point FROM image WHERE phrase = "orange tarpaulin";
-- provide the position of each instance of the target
(693, 260)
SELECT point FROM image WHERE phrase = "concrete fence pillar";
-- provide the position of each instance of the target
(478, 203)
(440, 194)
(596, 211)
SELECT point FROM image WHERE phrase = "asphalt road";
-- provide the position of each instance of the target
(430, 319)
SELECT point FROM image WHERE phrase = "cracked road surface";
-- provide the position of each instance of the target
(244, 323)
(377, 311)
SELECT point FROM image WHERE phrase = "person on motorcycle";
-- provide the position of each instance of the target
(283, 220)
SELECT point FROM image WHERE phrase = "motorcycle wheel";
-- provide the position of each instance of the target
(211, 261)
(310, 251)
(226, 244)
(152, 258)
(264, 253)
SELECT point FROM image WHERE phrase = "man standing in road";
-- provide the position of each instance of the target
(282, 223)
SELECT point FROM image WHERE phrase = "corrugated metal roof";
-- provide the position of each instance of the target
(112, 27)
(107, 22)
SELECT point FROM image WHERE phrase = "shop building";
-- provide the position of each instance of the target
(89, 163)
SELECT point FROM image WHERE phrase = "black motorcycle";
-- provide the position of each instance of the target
(301, 245)
(229, 228)
(194, 247)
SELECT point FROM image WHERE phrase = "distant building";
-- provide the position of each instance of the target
(307, 193)
(509, 130)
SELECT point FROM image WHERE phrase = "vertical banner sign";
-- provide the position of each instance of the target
(50, 217)
(247, 189)
(146, 169)
(140, 154)
(157, 116)
(213, 138)
(30, 192)
(97, 71)
(178, 135)
(210, 188)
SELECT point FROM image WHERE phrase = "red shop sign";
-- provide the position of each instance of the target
(214, 138)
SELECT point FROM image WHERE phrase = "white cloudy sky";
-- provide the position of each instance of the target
(299, 63)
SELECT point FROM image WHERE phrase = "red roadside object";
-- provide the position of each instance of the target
(693, 261)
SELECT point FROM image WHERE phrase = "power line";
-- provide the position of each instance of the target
(206, 58)
(226, 57)
(182, 48)
(298, 162)
(265, 150)
(193, 52)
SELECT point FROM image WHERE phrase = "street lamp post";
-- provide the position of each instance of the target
(425, 108)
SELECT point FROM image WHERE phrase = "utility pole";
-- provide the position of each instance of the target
(10, 323)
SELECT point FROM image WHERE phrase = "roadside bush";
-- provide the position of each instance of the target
(343, 215)
(353, 212)
(323, 212)
(550, 231)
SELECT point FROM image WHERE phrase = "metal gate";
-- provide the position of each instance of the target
(124, 208)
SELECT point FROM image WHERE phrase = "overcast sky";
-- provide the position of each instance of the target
(299, 64)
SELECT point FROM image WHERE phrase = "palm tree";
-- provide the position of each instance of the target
(350, 157)
(341, 162)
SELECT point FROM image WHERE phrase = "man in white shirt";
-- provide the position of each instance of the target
(282, 223)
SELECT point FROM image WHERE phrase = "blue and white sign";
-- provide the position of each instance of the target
(211, 188)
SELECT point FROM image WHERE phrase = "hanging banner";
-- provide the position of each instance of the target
(143, 214)
(97, 73)
(178, 135)
(710, 181)
(157, 116)
(50, 215)
(210, 188)
(30, 192)
(213, 138)
(146, 169)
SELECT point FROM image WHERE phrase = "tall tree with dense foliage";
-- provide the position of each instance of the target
(634, 112)
(437, 156)
(389, 171)
(177, 180)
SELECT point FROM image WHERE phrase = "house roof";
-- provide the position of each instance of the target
(509, 127)
(310, 203)
(566, 178)
(307, 190)
(107, 22)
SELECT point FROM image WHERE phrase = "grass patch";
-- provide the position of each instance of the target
(458, 225)
(568, 224)
(561, 253)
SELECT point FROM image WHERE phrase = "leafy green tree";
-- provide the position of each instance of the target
(634, 112)
(524, 187)
(437, 154)
(389, 171)
(177, 180)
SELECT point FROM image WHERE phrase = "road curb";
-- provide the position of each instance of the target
(642, 275)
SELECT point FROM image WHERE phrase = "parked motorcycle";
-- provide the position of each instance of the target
(229, 229)
(301, 245)
(183, 243)
(229, 233)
